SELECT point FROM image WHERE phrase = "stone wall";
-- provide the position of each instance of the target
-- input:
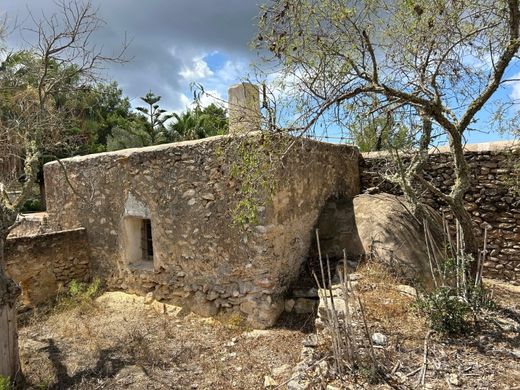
(44, 263)
(491, 200)
(189, 192)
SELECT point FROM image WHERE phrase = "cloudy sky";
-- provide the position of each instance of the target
(173, 43)
(176, 43)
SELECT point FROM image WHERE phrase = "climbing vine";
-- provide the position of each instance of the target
(256, 160)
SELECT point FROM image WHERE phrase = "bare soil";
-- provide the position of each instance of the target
(486, 357)
(128, 345)
(119, 342)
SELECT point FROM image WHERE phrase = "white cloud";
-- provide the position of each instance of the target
(199, 70)
(207, 98)
(212, 96)
(231, 71)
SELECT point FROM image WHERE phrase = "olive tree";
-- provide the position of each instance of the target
(436, 63)
(35, 124)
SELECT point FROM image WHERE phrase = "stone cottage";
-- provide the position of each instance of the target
(161, 219)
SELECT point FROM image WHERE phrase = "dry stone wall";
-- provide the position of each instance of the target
(189, 192)
(492, 200)
(44, 263)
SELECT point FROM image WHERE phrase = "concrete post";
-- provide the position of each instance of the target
(244, 108)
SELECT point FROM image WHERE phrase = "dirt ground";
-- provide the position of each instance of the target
(123, 343)
(486, 357)
(119, 342)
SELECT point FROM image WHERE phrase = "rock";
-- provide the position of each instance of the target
(305, 306)
(311, 341)
(281, 371)
(269, 382)
(201, 306)
(454, 380)
(289, 305)
(189, 194)
(305, 293)
(247, 307)
(209, 197)
(379, 339)
(297, 385)
(406, 290)
(256, 333)
(516, 353)
(385, 228)
(148, 299)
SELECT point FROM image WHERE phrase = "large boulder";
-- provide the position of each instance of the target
(388, 231)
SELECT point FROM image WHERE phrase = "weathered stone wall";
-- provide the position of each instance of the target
(189, 191)
(491, 199)
(31, 225)
(44, 263)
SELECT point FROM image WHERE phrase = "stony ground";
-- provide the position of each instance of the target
(486, 357)
(119, 342)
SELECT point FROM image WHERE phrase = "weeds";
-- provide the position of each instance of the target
(459, 297)
(5, 383)
(79, 295)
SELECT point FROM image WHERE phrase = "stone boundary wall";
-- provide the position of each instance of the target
(491, 199)
(44, 263)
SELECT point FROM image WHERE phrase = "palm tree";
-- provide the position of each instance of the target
(198, 123)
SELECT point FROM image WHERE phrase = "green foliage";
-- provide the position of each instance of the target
(198, 123)
(80, 295)
(5, 383)
(453, 311)
(446, 311)
(83, 113)
(254, 171)
(32, 206)
(84, 291)
(455, 305)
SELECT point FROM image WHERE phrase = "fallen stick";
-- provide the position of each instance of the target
(424, 367)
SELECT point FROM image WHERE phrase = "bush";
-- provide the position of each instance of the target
(84, 291)
(450, 310)
(32, 206)
(80, 294)
(5, 383)
(446, 311)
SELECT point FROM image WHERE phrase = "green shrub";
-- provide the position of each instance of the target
(80, 294)
(5, 383)
(452, 311)
(32, 206)
(446, 311)
(84, 291)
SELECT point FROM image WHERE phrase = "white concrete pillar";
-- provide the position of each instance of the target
(244, 108)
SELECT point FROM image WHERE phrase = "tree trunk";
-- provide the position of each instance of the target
(9, 292)
(462, 184)
(9, 359)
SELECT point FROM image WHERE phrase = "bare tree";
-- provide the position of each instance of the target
(35, 125)
(436, 63)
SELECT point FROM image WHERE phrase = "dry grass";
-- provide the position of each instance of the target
(385, 306)
(129, 345)
(483, 359)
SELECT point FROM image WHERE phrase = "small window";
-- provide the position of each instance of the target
(146, 240)
(138, 242)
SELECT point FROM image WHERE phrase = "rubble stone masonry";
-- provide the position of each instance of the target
(493, 199)
(45, 263)
(188, 194)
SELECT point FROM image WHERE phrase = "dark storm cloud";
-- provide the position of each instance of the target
(166, 36)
